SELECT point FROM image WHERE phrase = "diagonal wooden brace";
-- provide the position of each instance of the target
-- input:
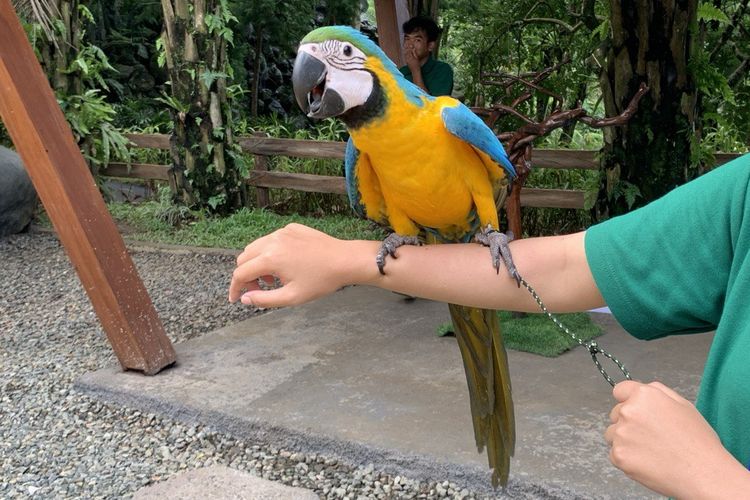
(64, 183)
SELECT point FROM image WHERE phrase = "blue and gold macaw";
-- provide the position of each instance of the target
(434, 172)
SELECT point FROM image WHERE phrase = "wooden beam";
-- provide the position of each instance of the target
(149, 141)
(300, 182)
(262, 196)
(551, 198)
(530, 197)
(63, 182)
(137, 170)
(301, 148)
(390, 15)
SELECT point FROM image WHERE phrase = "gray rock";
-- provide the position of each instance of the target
(219, 482)
(17, 194)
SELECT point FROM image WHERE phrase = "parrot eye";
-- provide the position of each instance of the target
(347, 50)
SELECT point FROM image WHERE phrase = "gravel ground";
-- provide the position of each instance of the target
(57, 443)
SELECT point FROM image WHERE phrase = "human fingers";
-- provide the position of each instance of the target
(277, 297)
(625, 389)
(246, 275)
(614, 415)
(609, 434)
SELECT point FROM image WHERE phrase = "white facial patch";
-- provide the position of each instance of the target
(345, 71)
(354, 86)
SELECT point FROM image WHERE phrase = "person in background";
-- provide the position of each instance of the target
(420, 39)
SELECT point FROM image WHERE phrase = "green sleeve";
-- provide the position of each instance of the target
(664, 269)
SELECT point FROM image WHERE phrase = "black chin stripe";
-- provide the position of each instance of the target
(373, 108)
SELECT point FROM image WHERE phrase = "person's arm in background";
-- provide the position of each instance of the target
(415, 66)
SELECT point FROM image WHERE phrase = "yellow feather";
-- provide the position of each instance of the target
(425, 175)
(416, 173)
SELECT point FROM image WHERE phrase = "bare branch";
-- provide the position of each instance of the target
(549, 20)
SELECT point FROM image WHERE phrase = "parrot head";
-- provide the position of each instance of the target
(333, 74)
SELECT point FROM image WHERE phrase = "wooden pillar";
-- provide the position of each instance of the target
(63, 182)
(263, 196)
(390, 15)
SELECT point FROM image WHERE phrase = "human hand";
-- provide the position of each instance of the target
(659, 439)
(412, 61)
(308, 263)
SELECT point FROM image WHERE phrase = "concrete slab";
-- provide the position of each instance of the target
(361, 375)
(221, 483)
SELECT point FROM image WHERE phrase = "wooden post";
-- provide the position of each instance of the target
(390, 16)
(63, 182)
(261, 164)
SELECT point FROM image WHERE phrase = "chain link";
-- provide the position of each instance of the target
(592, 346)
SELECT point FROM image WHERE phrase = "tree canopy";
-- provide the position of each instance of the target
(108, 61)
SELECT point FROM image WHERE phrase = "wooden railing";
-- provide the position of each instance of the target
(264, 147)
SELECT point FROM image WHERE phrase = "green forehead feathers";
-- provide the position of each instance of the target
(347, 34)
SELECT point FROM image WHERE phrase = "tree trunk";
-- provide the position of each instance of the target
(202, 172)
(256, 72)
(651, 42)
(57, 54)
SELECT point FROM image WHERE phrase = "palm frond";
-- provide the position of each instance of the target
(42, 12)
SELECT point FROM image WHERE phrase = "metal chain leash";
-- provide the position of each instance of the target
(592, 346)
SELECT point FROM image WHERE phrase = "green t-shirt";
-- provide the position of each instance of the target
(682, 265)
(437, 76)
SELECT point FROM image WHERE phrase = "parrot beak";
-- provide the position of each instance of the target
(309, 81)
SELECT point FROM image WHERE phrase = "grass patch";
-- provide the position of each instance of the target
(535, 333)
(155, 221)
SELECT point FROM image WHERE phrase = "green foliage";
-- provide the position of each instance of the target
(171, 214)
(209, 77)
(86, 109)
(482, 37)
(721, 74)
(127, 31)
(709, 79)
(535, 333)
(221, 23)
(708, 12)
(90, 117)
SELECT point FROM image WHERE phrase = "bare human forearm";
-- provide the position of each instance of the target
(311, 264)
(417, 79)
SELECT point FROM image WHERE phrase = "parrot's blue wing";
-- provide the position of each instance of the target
(352, 183)
(461, 122)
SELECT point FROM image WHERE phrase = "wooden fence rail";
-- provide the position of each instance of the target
(263, 147)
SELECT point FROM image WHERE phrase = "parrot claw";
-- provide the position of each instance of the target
(389, 246)
(498, 243)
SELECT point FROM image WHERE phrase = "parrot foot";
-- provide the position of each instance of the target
(498, 243)
(389, 246)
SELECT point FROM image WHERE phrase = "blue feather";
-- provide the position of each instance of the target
(352, 182)
(467, 126)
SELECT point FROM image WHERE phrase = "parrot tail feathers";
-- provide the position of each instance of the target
(488, 378)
